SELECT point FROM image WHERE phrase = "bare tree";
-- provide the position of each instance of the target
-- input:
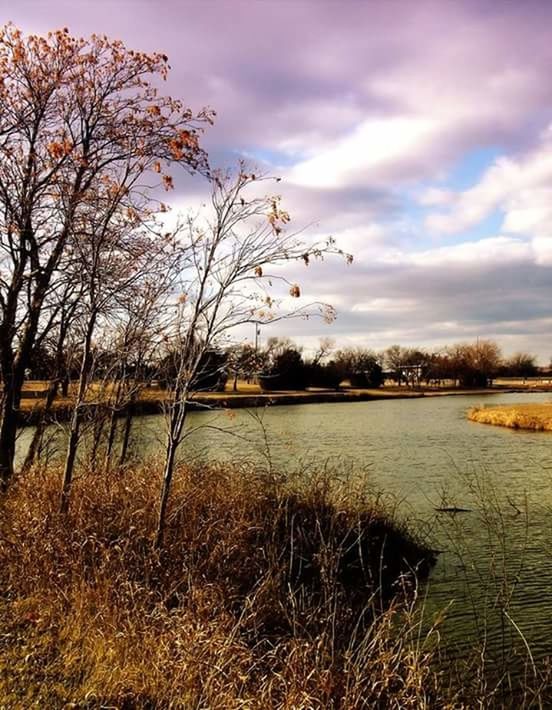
(66, 309)
(112, 255)
(136, 344)
(233, 261)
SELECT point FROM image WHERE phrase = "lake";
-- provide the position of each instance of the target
(494, 574)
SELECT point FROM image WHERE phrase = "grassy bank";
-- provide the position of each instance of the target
(264, 595)
(535, 417)
(152, 399)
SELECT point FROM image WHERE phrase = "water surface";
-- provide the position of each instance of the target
(494, 574)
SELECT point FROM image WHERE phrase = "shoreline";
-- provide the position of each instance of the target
(236, 400)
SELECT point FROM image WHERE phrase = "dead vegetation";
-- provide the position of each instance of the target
(535, 417)
(263, 595)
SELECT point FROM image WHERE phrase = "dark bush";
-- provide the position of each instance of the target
(328, 375)
(371, 376)
(286, 372)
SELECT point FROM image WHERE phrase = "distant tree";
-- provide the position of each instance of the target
(325, 347)
(41, 363)
(394, 358)
(243, 361)
(285, 371)
(321, 372)
(475, 364)
(360, 366)
(520, 365)
(409, 365)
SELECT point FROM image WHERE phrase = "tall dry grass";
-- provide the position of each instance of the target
(264, 595)
(535, 417)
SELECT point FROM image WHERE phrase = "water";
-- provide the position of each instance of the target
(426, 454)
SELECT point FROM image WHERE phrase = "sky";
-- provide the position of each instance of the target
(417, 134)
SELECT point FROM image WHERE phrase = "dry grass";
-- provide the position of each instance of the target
(536, 417)
(156, 395)
(264, 596)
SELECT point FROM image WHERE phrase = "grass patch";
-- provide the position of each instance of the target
(265, 594)
(535, 417)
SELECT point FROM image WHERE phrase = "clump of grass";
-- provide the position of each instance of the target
(535, 417)
(263, 595)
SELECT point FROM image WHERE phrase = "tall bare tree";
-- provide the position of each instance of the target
(233, 258)
(114, 256)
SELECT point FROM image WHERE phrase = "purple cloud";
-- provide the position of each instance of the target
(365, 109)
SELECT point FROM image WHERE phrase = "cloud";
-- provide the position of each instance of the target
(489, 252)
(519, 187)
(365, 118)
(376, 148)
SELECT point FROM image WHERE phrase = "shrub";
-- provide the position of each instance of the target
(286, 371)
(326, 375)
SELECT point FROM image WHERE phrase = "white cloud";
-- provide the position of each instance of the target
(373, 146)
(485, 252)
(521, 188)
(434, 197)
(385, 305)
(542, 247)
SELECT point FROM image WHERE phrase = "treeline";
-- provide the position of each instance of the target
(473, 364)
(282, 365)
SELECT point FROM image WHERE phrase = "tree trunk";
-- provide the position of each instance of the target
(8, 427)
(70, 459)
(115, 408)
(178, 417)
(110, 437)
(126, 435)
(8, 433)
(168, 472)
(86, 367)
(41, 425)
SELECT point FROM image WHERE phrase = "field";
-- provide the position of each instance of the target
(246, 395)
(535, 417)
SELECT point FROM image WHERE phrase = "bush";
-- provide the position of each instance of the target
(326, 375)
(361, 367)
(211, 373)
(370, 377)
(286, 372)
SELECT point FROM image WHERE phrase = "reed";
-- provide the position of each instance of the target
(535, 417)
(265, 594)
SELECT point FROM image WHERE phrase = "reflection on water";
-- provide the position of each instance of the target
(427, 455)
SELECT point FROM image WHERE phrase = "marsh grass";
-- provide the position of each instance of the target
(265, 594)
(535, 417)
(493, 665)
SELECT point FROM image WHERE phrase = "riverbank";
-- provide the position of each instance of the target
(153, 400)
(264, 595)
(533, 417)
